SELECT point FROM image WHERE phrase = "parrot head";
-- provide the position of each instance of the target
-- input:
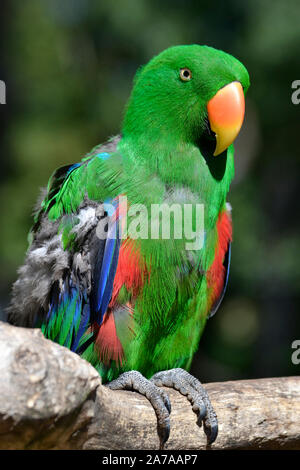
(192, 94)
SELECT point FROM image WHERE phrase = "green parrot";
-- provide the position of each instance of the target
(105, 275)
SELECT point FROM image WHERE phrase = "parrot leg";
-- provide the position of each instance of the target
(135, 381)
(189, 386)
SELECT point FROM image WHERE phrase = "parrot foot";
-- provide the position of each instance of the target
(189, 386)
(135, 381)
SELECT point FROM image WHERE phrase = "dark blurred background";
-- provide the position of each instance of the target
(68, 68)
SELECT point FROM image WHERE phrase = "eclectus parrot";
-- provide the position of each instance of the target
(136, 306)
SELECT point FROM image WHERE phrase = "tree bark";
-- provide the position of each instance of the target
(50, 398)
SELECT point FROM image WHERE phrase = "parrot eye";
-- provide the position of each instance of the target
(185, 74)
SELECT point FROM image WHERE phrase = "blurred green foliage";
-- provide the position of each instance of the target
(68, 68)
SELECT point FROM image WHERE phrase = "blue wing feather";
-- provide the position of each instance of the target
(105, 271)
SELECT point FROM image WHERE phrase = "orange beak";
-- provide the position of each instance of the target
(226, 114)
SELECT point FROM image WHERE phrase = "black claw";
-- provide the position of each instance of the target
(163, 434)
(211, 433)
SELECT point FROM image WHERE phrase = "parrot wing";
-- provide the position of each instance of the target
(68, 276)
(79, 299)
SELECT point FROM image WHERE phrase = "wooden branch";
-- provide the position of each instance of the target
(52, 399)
